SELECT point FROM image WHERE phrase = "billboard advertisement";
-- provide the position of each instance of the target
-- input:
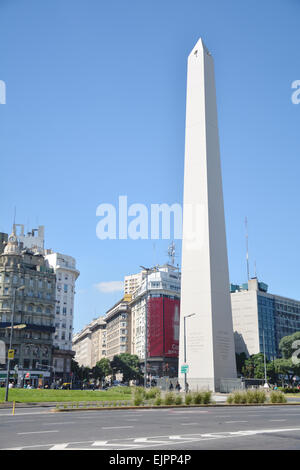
(163, 327)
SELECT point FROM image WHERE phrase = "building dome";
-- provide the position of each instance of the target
(12, 246)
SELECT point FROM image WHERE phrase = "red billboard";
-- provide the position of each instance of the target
(163, 327)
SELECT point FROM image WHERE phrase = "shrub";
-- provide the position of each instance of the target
(206, 398)
(152, 393)
(169, 398)
(249, 396)
(138, 400)
(229, 399)
(178, 400)
(188, 398)
(277, 397)
(158, 401)
(197, 398)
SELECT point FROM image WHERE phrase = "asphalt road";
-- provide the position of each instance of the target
(254, 427)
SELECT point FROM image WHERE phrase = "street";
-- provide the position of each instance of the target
(255, 427)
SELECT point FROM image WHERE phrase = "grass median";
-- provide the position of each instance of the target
(20, 395)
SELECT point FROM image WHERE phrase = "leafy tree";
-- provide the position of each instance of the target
(102, 369)
(289, 344)
(240, 361)
(254, 367)
(128, 365)
(284, 368)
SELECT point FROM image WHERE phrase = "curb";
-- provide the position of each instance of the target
(211, 405)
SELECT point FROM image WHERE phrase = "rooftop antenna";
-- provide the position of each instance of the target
(247, 254)
(171, 253)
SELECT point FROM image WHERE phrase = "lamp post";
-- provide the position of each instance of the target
(265, 367)
(184, 324)
(146, 325)
(11, 335)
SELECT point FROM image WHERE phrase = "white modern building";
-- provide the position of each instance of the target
(261, 319)
(206, 331)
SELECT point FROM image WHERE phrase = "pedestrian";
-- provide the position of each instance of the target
(178, 387)
(171, 386)
(186, 388)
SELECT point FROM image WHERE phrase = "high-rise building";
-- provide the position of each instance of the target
(66, 274)
(261, 319)
(64, 267)
(155, 317)
(118, 328)
(89, 344)
(206, 335)
(133, 281)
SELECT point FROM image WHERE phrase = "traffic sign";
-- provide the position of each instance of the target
(184, 368)
(11, 354)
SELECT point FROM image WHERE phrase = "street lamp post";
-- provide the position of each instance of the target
(184, 334)
(11, 335)
(265, 367)
(146, 325)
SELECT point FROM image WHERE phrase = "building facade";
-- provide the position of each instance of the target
(261, 319)
(89, 345)
(133, 282)
(27, 299)
(155, 317)
(66, 274)
(64, 267)
(118, 329)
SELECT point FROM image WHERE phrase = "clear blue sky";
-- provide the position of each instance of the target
(96, 109)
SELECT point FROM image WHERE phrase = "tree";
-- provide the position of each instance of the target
(289, 345)
(240, 361)
(284, 368)
(254, 367)
(128, 365)
(102, 369)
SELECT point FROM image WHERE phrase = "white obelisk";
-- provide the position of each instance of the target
(206, 334)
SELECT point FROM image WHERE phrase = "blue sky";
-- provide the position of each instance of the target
(95, 108)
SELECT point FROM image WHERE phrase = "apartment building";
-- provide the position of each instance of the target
(261, 319)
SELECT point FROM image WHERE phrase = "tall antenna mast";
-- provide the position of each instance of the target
(171, 252)
(247, 254)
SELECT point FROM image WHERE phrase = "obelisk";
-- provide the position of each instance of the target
(206, 332)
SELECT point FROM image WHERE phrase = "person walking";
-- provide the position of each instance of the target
(178, 387)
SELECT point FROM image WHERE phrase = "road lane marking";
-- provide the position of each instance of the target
(37, 432)
(189, 424)
(231, 422)
(117, 427)
(59, 446)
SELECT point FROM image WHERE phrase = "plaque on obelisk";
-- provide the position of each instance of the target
(206, 348)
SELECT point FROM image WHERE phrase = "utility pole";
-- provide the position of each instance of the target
(146, 324)
(184, 332)
(265, 366)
